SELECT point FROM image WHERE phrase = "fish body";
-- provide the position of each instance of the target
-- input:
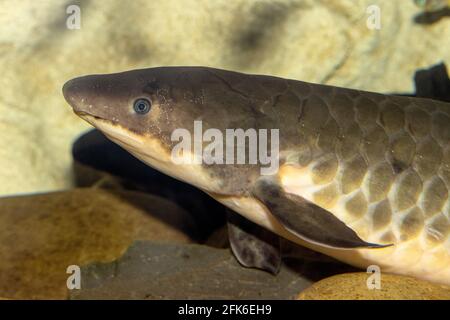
(362, 177)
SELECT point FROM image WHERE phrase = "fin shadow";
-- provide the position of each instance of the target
(94, 154)
(317, 270)
(432, 83)
(431, 17)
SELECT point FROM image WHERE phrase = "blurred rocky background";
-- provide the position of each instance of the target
(66, 197)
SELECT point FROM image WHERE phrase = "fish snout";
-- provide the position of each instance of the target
(73, 93)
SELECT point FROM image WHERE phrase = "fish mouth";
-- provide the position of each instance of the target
(92, 119)
(113, 130)
(127, 139)
(84, 115)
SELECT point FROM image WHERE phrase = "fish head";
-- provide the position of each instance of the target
(141, 109)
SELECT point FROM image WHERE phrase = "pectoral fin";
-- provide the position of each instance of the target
(252, 245)
(307, 220)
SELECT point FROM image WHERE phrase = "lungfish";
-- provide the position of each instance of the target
(362, 177)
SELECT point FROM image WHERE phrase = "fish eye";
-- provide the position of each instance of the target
(142, 106)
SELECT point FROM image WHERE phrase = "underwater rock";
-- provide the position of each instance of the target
(219, 238)
(41, 235)
(151, 270)
(353, 286)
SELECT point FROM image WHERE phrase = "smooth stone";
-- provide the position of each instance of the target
(41, 235)
(353, 286)
(151, 270)
(218, 238)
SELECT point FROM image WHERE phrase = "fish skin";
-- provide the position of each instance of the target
(379, 163)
